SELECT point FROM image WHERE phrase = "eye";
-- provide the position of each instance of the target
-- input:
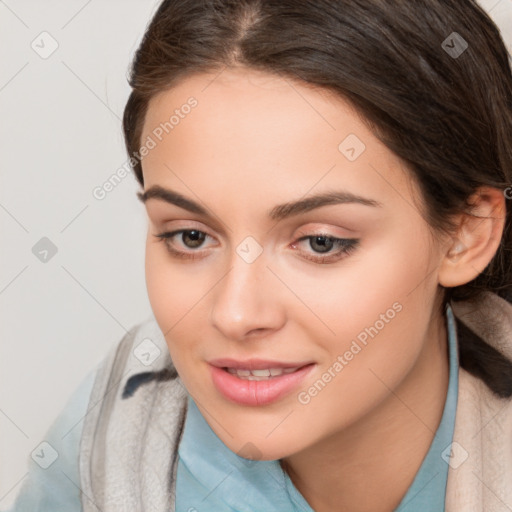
(323, 244)
(190, 238)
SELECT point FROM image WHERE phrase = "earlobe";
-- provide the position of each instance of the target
(477, 239)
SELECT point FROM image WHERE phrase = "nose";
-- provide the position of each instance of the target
(246, 301)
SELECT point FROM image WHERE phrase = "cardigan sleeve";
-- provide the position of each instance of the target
(52, 483)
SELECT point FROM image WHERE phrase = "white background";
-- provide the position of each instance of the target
(60, 137)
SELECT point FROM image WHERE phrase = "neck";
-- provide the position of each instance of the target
(370, 465)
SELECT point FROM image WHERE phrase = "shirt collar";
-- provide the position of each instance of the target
(428, 490)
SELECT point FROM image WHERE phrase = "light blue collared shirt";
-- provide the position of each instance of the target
(212, 478)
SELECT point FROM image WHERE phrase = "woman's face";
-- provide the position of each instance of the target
(256, 274)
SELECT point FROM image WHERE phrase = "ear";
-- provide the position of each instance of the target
(477, 238)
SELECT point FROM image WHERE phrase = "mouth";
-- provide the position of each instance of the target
(256, 364)
(242, 383)
(265, 374)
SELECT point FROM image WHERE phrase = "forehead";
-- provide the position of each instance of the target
(227, 98)
(253, 129)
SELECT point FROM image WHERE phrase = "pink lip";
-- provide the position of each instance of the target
(257, 392)
(254, 364)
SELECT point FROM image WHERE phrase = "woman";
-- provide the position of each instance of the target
(328, 262)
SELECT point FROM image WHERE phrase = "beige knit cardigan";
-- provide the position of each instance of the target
(128, 450)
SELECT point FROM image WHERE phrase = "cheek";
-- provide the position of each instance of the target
(370, 356)
(161, 288)
(175, 294)
(172, 291)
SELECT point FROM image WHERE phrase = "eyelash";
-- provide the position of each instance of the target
(347, 246)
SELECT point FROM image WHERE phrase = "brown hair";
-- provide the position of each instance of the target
(447, 115)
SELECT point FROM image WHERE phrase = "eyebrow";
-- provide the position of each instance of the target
(278, 212)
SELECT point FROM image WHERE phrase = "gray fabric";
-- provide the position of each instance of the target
(128, 450)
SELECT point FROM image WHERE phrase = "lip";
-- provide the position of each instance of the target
(254, 364)
(257, 392)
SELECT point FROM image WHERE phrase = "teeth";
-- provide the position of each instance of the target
(260, 374)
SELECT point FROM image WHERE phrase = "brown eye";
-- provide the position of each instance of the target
(193, 238)
(183, 243)
(321, 243)
(321, 247)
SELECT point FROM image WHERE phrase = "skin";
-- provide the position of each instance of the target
(255, 141)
